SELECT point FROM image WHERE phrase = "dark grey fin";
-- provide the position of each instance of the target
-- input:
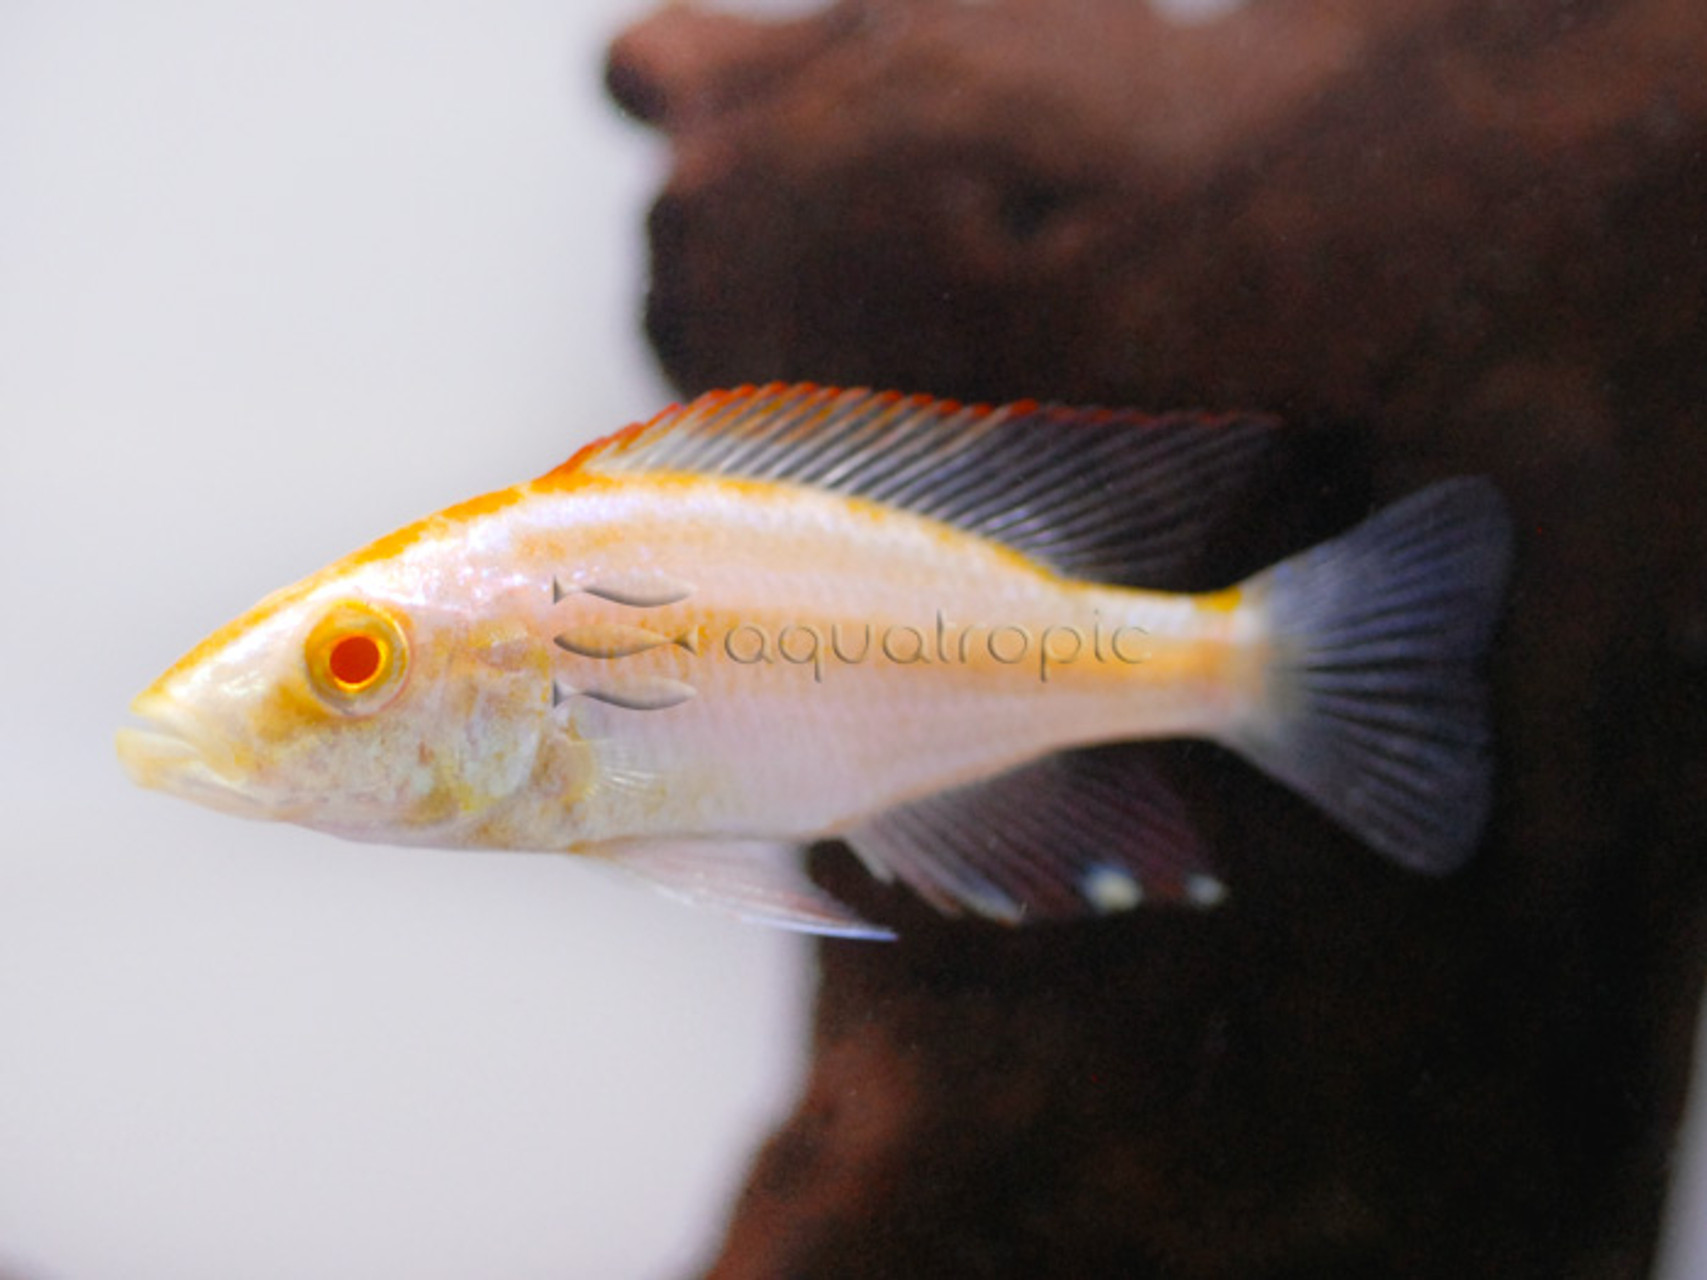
(756, 880)
(1098, 494)
(1079, 833)
(1376, 707)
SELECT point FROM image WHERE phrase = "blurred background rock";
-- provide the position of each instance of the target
(276, 278)
(1438, 236)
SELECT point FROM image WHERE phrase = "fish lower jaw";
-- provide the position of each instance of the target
(163, 761)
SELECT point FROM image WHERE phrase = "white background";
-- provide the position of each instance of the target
(274, 279)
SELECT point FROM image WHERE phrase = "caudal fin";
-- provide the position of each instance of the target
(1376, 708)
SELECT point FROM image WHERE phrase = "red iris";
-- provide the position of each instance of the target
(354, 660)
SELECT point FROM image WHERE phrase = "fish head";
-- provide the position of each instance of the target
(353, 703)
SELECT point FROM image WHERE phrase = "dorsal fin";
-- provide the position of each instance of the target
(1109, 495)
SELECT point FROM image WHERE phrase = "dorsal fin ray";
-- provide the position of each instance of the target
(1101, 494)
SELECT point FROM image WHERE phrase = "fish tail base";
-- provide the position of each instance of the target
(1375, 706)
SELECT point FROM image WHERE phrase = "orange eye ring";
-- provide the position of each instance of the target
(356, 657)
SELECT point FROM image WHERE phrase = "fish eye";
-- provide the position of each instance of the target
(355, 660)
(356, 657)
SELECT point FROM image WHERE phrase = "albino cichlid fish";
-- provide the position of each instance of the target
(783, 614)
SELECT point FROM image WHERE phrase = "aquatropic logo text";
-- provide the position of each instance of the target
(613, 641)
(942, 642)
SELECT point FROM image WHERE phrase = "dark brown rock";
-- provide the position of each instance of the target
(1440, 236)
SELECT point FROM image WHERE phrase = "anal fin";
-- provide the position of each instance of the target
(1088, 832)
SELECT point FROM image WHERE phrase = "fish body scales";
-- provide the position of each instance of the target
(849, 657)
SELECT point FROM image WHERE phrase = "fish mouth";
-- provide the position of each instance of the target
(171, 752)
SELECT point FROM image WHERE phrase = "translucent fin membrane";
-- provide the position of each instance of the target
(1376, 706)
(1080, 833)
(1099, 494)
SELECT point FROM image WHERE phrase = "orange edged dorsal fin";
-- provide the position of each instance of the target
(1111, 495)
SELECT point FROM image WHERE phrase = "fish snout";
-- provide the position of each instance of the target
(174, 751)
